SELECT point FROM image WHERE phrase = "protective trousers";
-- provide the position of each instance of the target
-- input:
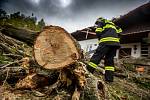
(107, 52)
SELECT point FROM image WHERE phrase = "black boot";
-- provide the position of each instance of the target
(90, 69)
(109, 76)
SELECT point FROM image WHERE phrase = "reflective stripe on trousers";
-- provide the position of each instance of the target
(91, 64)
(111, 68)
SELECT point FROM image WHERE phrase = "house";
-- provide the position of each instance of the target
(135, 39)
(87, 41)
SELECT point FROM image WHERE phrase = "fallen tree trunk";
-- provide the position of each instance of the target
(24, 35)
(55, 49)
(62, 49)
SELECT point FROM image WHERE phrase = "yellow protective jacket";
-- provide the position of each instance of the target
(107, 33)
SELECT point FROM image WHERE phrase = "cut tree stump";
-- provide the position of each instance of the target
(54, 48)
(61, 69)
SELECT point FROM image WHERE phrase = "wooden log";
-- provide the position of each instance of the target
(55, 48)
(95, 89)
(32, 81)
(24, 35)
(63, 46)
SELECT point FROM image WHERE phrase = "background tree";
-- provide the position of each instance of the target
(41, 24)
(3, 16)
(20, 20)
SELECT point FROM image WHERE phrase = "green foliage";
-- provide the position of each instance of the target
(4, 59)
(142, 83)
(128, 66)
(20, 20)
(41, 24)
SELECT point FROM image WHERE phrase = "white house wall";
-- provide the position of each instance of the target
(85, 45)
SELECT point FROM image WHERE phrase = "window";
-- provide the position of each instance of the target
(124, 53)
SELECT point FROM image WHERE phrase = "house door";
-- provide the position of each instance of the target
(124, 53)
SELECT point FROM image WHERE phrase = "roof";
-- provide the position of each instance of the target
(136, 16)
(136, 21)
(79, 35)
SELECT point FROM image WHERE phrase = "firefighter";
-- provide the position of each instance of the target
(107, 33)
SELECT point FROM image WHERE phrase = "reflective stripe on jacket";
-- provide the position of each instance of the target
(107, 33)
(111, 39)
(105, 27)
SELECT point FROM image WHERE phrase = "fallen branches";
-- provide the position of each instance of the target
(56, 72)
(18, 61)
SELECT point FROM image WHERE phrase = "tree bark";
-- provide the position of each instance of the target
(24, 35)
(56, 50)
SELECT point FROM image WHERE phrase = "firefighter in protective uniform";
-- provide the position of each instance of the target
(107, 33)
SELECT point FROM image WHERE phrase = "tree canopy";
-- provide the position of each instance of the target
(20, 20)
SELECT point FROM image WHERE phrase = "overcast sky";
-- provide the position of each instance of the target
(71, 14)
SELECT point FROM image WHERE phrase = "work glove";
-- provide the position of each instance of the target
(109, 76)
